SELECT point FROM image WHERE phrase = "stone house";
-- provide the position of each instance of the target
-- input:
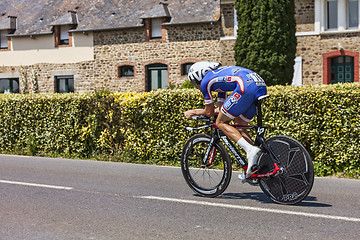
(143, 45)
(328, 39)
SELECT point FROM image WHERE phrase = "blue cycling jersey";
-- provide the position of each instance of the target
(245, 84)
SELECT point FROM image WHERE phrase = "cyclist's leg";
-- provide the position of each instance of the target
(241, 120)
(222, 122)
(242, 106)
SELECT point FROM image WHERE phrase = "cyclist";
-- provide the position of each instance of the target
(246, 87)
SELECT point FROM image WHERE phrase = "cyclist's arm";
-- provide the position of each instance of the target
(220, 101)
(209, 111)
(219, 105)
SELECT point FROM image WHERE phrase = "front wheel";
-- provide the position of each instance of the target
(209, 179)
(297, 178)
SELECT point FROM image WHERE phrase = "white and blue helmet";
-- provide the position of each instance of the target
(198, 70)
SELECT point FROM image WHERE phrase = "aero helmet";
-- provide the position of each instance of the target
(198, 70)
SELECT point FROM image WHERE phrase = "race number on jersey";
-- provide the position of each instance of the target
(257, 79)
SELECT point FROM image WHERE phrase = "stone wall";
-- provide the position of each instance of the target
(304, 11)
(311, 52)
(183, 43)
(83, 73)
(227, 19)
(304, 15)
(193, 32)
(227, 52)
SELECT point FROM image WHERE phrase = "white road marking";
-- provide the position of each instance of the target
(223, 205)
(36, 185)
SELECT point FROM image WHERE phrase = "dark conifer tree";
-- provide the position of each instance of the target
(266, 41)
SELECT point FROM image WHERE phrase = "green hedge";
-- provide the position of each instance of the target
(64, 125)
(150, 127)
(325, 119)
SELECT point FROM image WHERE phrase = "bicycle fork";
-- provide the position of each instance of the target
(210, 153)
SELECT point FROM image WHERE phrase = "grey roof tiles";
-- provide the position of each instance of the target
(39, 16)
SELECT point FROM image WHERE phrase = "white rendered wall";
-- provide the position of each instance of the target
(41, 49)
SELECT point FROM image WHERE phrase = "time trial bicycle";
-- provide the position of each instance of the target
(285, 175)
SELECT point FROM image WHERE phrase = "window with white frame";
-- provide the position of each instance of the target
(353, 11)
(332, 14)
(336, 15)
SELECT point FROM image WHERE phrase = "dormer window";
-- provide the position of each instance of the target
(154, 29)
(7, 26)
(153, 22)
(63, 38)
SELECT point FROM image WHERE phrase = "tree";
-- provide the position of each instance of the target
(266, 41)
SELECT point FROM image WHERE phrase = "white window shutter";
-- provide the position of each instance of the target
(156, 28)
(297, 78)
(64, 32)
(4, 41)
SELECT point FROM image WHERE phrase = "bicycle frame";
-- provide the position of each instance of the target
(219, 135)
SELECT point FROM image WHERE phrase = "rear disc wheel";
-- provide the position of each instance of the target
(297, 178)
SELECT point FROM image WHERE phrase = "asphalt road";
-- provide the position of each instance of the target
(44, 198)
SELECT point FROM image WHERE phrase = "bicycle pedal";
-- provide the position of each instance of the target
(253, 182)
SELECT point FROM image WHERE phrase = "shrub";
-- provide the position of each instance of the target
(68, 125)
(266, 41)
(156, 125)
(187, 85)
